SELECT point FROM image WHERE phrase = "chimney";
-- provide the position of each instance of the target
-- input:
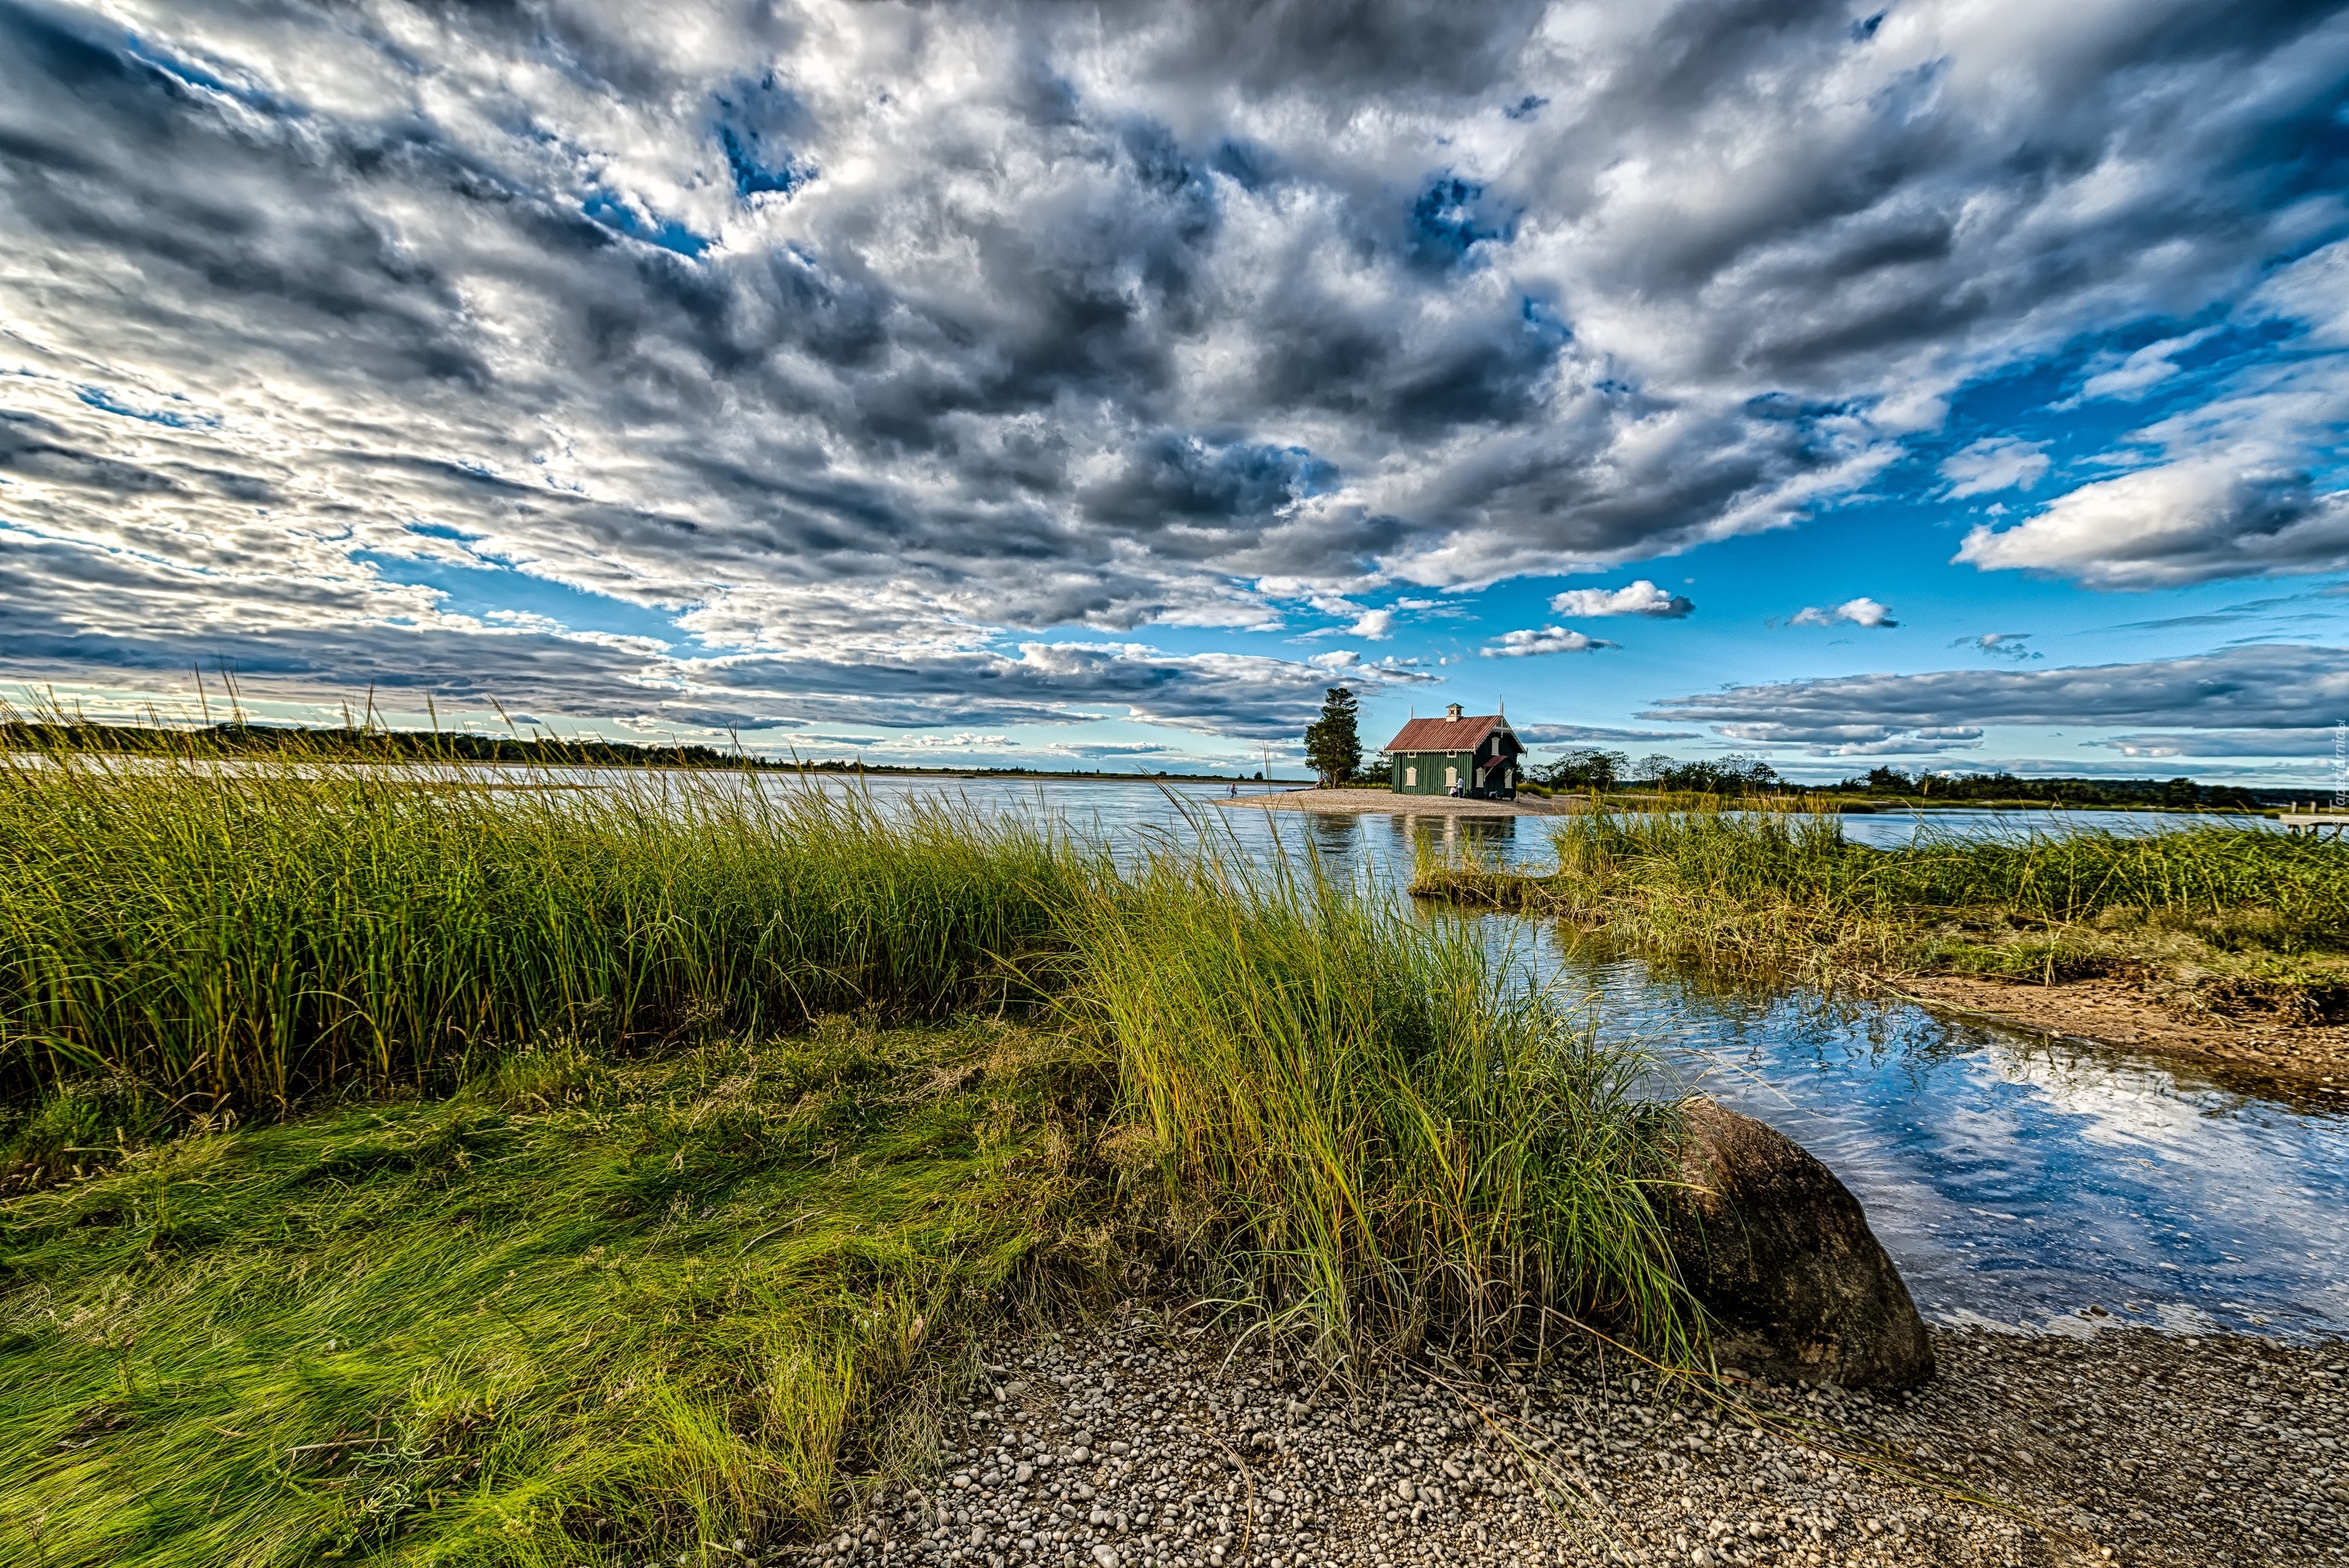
(1453, 712)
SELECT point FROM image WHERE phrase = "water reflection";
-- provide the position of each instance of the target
(2020, 1180)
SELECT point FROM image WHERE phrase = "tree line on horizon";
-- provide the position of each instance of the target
(1593, 769)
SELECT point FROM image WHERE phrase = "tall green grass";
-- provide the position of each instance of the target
(244, 932)
(1381, 1127)
(1762, 889)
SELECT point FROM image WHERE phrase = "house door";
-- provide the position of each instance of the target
(1451, 777)
(1410, 778)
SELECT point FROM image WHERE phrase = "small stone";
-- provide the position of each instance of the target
(1082, 1456)
(1451, 1468)
(1405, 1491)
(1105, 1554)
(1121, 1447)
(1023, 1474)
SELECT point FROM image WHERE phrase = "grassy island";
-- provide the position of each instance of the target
(395, 1172)
(2218, 917)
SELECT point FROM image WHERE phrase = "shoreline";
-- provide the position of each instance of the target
(2118, 1015)
(1385, 802)
(1141, 1440)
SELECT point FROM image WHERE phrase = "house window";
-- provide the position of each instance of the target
(1451, 777)
(1410, 777)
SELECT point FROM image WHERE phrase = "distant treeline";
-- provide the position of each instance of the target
(373, 744)
(1591, 769)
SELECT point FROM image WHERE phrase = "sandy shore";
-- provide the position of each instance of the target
(1147, 1443)
(1360, 801)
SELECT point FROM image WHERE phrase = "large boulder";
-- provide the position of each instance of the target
(1780, 1253)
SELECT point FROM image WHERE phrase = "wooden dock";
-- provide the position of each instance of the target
(2315, 824)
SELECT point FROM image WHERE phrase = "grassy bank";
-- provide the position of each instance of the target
(422, 1173)
(2234, 920)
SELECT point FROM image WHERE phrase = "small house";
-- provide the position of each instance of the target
(1477, 752)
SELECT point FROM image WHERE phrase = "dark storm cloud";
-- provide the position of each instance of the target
(866, 333)
(2271, 687)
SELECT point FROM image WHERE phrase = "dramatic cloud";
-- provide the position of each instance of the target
(2240, 490)
(2235, 690)
(1860, 612)
(1641, 598)
(1546, 640)
(1993, 463)
(883, 344)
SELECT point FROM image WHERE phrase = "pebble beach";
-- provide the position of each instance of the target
(1145, 1444)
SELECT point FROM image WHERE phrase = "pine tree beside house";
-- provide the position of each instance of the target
(1333, 745)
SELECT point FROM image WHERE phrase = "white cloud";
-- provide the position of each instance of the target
(2224, 743)
(2180, 523)
(1993, 463)
(1373, 626)
(1336, 659)
(1859, 612)
(2143, 370)
(1563, 735)
(1546, 640)
(1641, 598)
(2228, 488)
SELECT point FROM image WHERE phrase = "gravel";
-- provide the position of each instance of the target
(1144, 1445)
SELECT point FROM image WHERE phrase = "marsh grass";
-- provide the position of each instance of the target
(1379, 1126)
(577, 1312)
(416, 1171)
(2234, 919)
(234, 932)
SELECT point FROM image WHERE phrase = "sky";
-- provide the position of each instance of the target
(1955, 384)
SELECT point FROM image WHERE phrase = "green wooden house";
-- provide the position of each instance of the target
(1477, 753)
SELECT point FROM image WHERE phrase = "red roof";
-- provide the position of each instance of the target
(1464, 734)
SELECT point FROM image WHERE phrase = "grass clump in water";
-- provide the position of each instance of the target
(2234, 919)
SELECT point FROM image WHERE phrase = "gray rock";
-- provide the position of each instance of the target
(1780, 1253)
(1105, 1554)
(1405, 1491)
